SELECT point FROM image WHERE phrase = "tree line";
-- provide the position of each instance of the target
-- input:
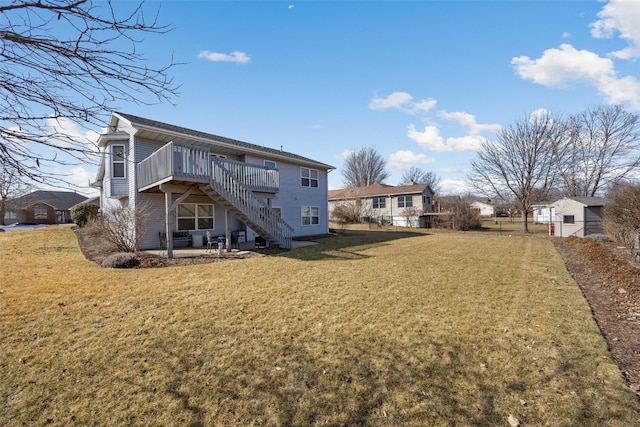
(544, 156)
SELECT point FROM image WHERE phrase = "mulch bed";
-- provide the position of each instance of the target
(609, 278)
(98, 250)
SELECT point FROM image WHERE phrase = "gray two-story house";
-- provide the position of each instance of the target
(196, 182)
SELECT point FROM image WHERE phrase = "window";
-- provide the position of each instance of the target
(193, 216)
(309, 177)
(40, 212)
(379, 202)
(405, 201)
(117, 161)
(568, 219)
(426, 200)
(270, 164)
(310, 215)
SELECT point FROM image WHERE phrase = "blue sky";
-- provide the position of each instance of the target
(422, 82)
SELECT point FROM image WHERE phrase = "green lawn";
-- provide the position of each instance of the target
(380, 328)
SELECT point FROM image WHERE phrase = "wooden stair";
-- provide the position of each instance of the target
(227, 190)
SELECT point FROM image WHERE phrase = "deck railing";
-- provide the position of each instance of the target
(258, 214)
(190, 163)
(255, 177)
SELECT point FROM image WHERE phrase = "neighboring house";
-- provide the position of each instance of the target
(577, 216)
(404, 205)
(196, 182)
(485, 208)
(543, 213)
(43, 207)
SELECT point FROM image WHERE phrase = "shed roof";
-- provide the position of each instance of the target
(376, 190)
(587, 201)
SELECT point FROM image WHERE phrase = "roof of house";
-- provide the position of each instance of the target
(587, 201)
(376, 190)
(59, 200)
(141, 122)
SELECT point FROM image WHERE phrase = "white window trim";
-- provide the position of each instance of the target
(196, 217)
(40, 208)
(316, 179)
(123, 161)
(380, 200)
(404, 201)
(271, 162)
(310, 216)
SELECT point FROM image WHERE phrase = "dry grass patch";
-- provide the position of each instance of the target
(379, 328)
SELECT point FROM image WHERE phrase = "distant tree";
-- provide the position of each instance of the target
(11, 186)
(363, 168)
(519, 164)
(600, 146)
(70, 60)
(621, 215)
(415, 175)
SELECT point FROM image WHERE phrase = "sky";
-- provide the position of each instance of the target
(421, 82)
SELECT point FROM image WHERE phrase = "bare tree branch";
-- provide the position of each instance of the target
(600, 148)
(415, 175)
(70, 59)
(519, 164)
(363, 168)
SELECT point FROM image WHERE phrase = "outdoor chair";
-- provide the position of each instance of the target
(210, 242)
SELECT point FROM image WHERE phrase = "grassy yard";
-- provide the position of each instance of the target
(381, 328)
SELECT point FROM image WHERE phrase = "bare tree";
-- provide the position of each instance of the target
(70, 60)
(519, 164)
(363, 168)
(415, 175)
(601, 146)
(11, 186)
(621, 215)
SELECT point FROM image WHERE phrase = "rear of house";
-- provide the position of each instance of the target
(196, 182)
(403, 205)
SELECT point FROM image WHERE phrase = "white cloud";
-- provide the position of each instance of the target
(454, 186)
(465, 143)
(236, 56)
(80, 177)
(404, 159)
(621, 17)
(344, 154)
(75, 133)
(558, 67)
(290, 6)
(431, 139)
(468, 121)
(402, 101)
